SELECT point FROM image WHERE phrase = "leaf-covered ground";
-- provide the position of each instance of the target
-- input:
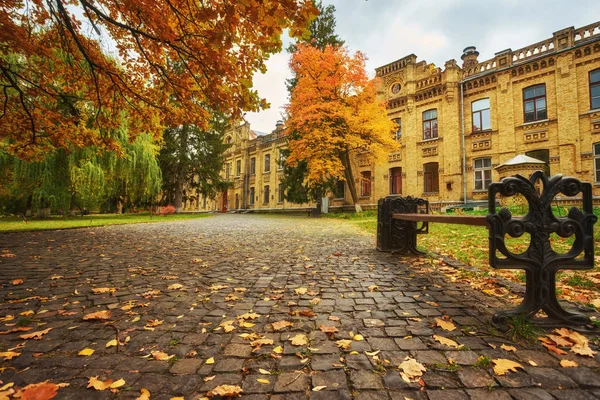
(263, 307)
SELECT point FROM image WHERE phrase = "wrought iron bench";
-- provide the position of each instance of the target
(401, 219)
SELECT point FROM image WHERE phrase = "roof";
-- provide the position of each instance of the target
(521, 159)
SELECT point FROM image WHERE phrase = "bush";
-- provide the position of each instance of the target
(166, 210)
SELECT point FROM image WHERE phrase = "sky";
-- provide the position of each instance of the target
(433, 30)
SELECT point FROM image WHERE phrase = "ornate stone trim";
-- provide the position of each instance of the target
(481, 145)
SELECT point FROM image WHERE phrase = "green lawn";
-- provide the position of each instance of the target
(8, 224)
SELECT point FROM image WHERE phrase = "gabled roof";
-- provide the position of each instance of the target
(521, 159)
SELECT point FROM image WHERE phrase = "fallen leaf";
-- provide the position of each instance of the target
(86, 352)
(299, 340)
(225, 390)
(101, 290)
(264, 381)
(111, 343)
(16, 282)
(209, 378)
(97, 384)
(117, 384)
(445, 325)
(344, 343)
(373, 288)
(27, 313)
(328, 329)
(9, 355)
(35, 335)
(301, 290)
(154, 323)
(318, 388)
(502, 366)
(279, 325)
(568, 363)
(278, 350)
(508, 348)
(160, 355)
(175, 286)
(39, 391)
(99, 315)
(144, 395)
(244, 324)
(411, 370)
(333, 318)
(358, 338)
(447, 342)
(533, 363)
(210, 361)
(248, 316)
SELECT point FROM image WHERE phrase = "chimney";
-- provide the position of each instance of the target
(279, 125)
(469, 57)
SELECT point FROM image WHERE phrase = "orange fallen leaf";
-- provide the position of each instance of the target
(9, 355)
(40, 391)
(333, 318)
(160, 355)
(35, 335)
(144, 395)
(101, 290)
(279, 325)
(98, 315)
(445, 325)
(508, 348)
(225, 391)
(328, 329)
(568, 363)
(16, 282)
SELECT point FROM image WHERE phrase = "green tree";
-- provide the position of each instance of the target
(321, 34)
(191, 160)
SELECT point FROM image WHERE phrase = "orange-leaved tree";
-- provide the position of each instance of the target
(335, 115)
(72, 69)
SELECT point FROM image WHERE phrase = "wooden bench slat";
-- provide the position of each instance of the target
(476, 220)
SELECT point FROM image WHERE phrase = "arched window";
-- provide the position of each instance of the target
(534, 103)
(480, 111)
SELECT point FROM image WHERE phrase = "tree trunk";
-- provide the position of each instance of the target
(181, 169)
(119, 206)
(345, 158)
(28, 206)
(178, 193)
(72, 206)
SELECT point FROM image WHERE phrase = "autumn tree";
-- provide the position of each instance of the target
(336, 115)
(321, 34)
(61, 90)
(191, 160)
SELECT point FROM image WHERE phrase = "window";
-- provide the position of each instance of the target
(228, 140)
(251, 196)
(534, 103)
(542, 155)
(481, 115)
(253, 166)
(430, 124)
(595, 89)
(431, 178)
(365, 184)
(483, 173)
(238, 167)
(281, 193)
(396, 180)
(597, 162)
(266, 195)
(227, 170)
(340, 188)
(282, 158)
(267, 162)
(398, 122)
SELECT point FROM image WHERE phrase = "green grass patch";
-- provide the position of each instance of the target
(577, 280)
(9, 224)
(522, 329)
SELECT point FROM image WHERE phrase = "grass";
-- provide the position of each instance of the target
(521, 329)
(11, 224)
(483, 362)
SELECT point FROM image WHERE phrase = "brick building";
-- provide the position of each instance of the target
(460, 127)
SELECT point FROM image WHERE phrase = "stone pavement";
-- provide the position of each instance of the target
(173, 288)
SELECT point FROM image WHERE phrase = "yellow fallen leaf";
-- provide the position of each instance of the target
(86, 352)
(136, 319)
(225, 391)
(264, 371)
(153, 323)
(508, 348)
(9, 355)
(248, 316)
(533, 363)
(568, 363)
(445, 325)
(160, 355)
(411, 370)
(99, 315)
(97, 384)
(101, 290)
(358, 338)
(111, 343)
(502, 366)
(447, 342)
(301, 290)
(27, 313)
(244, 324)
(175, 286)
(210, 361)
(144, 395)
(299, 340)
(278, 350)
(344, 343)
(264, 381)
(117, 384)
(279, 325)
(318, 388)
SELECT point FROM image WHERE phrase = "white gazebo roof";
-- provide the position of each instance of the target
(520, 160)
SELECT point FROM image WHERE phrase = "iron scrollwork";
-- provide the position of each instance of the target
(539, 260)
(398, 235)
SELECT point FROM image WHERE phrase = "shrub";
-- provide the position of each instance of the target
(167, 210)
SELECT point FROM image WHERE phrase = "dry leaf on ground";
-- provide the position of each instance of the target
(98, 315)
(40, 391)
(86, 352)
(328, 329)
(8, 355)
(568, 363)
(445, 325)
(279, 325)
(175, 286)
(502, 366)
(299, 340)
(344, 343)
(508, 348)
(101, 290)
(263, 381)
(447, 342)
(35, 335)
(411, 370)
(144, 395)
(301, 290)
(318, 388)
(160, 355)
(225, 390)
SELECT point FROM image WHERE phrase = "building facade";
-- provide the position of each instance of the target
(460, 127)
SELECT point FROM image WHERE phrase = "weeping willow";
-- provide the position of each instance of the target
(84, 178)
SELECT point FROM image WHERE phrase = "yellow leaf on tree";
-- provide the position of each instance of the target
(502, 366)
(86, 352)
(445, 325)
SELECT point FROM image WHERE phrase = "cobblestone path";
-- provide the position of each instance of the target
(254, 271)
